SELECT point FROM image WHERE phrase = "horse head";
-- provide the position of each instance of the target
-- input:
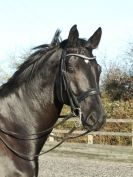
(78, 83)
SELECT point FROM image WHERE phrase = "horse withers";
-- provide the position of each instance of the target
(63, 72)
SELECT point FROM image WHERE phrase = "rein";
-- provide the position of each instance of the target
(34, 136)
(32, 158)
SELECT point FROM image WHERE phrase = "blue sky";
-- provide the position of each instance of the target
(25, 24)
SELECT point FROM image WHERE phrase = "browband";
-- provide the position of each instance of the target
(81, 56)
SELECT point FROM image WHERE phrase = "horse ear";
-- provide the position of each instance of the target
(56, 38)
(94, 39)
(73, 37)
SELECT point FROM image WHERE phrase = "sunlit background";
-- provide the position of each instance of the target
(25, 24)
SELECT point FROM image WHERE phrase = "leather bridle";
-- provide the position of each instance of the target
(65, 84)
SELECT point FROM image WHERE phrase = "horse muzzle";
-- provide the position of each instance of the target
(93, 122)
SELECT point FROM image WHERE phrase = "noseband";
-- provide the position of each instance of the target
(65, 84)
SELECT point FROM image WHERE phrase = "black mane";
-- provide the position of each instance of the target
(31, 65)
(27, 70)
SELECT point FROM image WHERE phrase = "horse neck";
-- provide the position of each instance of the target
(40, 97)
(33, 104)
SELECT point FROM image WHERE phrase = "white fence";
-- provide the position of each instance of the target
(102, 133)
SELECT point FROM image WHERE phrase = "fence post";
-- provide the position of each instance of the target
(90, 139)
(51, 139)
(132, 132)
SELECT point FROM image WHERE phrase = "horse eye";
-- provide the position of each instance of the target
(70, 68)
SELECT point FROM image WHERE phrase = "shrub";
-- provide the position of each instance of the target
(118, 85)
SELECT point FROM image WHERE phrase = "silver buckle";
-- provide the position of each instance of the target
(79, 115)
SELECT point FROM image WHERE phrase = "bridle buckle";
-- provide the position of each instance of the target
(77, 113)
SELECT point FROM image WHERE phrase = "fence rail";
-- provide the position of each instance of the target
(100, 133)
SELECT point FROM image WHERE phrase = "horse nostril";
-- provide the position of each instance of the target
(91, 120)
(94, 122)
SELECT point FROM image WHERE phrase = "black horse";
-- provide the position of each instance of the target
(63, 72)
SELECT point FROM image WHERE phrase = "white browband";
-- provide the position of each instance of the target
(81, 56)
